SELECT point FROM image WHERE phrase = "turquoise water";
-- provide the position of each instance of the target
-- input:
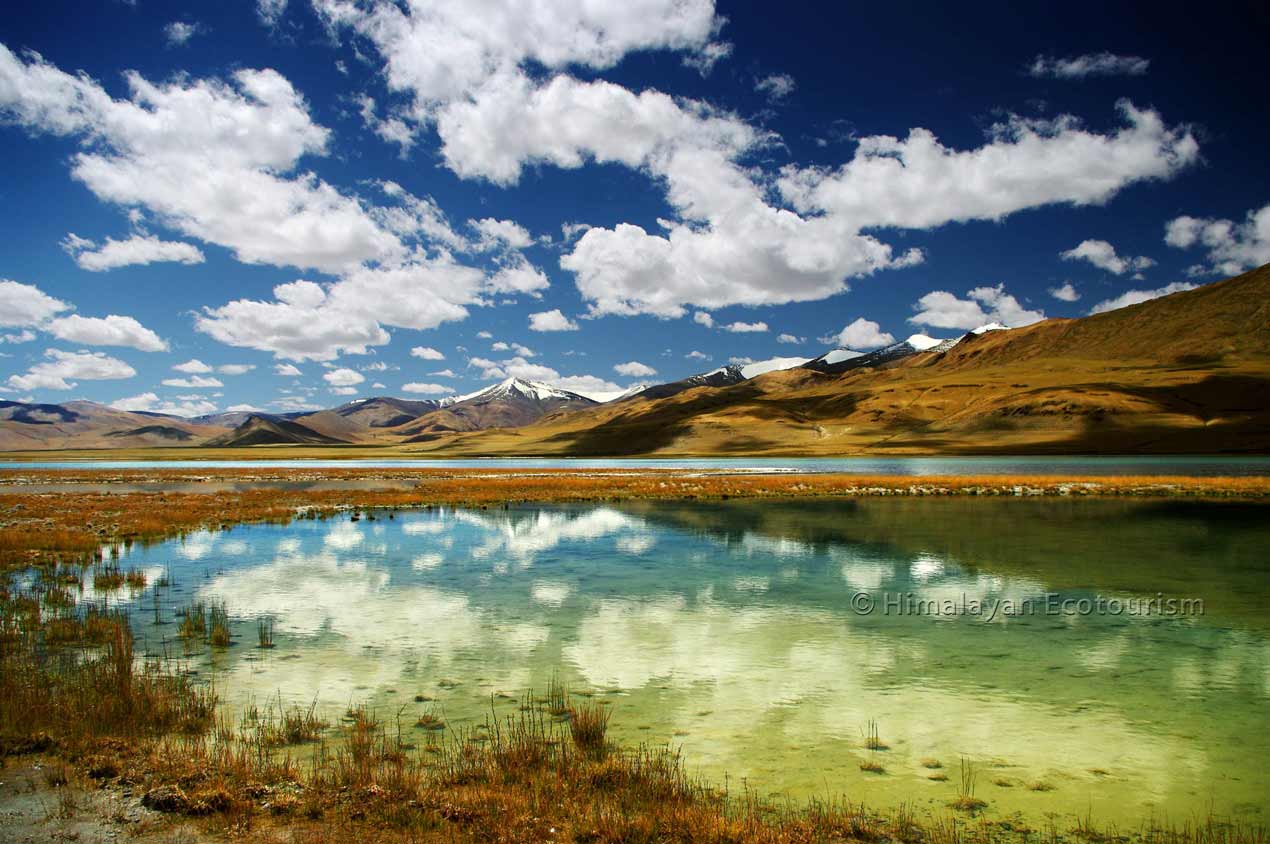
(1126, 465)
(737, 631)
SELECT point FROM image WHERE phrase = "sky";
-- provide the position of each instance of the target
(283, 205)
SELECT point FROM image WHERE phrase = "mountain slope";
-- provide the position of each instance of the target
(509, 404)
(1184, 373)
(85, 424)
(259, 429)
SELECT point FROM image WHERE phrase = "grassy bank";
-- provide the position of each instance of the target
(72, 689)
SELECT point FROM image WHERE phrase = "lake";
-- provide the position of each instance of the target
(1031, 638)
(1018, 465)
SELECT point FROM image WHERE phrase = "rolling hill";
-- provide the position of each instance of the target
(1186, 373)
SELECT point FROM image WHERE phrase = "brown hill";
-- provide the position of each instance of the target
(271, 430)
(85, 424)
(1184, 373)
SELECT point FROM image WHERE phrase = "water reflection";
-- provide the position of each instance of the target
(732, 629)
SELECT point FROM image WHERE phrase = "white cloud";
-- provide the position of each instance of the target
(193, 382)
(1066, 292)
(1232, 247)
(591, 386)
(1103, 255)
(776, 87)
(444, 373)
(500, 234)
(745, 327)
(1134, 297)
(696, 355)
(1089, 64)
(861, 334)
(63, 370)
(243, 408)
(426, 353)
(137, 249)
(704, 60)
(790, 338)
(106, 331)
(940, 309)
(25, 305)
(270, 11)
(552, 320)
(193, 366)
(343, 391)
(703, 318)
(178, 33)
(235, 368)
(343, 377)
(634, 369)
(427, 389)
(24, 336)
(523, 351)
(151, 403)
(286, 369)
(443, 52)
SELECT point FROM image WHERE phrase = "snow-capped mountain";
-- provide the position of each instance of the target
(507, 404)
(762, 367)
(842, 360)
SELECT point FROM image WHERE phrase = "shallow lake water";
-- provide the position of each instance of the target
(1201, 465)
(764, 638)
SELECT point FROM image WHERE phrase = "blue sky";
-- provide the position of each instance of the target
(284, 199)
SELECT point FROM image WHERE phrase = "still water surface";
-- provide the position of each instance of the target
(736, 630)
(1113, 465)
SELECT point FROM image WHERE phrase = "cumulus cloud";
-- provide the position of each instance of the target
(178, 33)
(25, 305)
(287, 369)
(790, 338)
(776, 87)
(524, 351)
(193, 382)
(343, 377)
(552, 320)
(1103, 255)
(1134, 297)
(138, 249)
(1232, 247)
(1065, 292)
(193, 366)
(1089, 64)
(220, 161)
(861, 334)
(745, 327)
(697, 355)
(235, 368)
(426, 353)
(427, 389)
(63, 370)
(150, 402)
(940, 309)
(106, 331)
(634, 369)
(703, 318)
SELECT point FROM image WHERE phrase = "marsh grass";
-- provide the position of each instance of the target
(966, 800)
(264, 632)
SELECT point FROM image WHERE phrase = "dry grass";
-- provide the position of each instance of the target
(81, 527)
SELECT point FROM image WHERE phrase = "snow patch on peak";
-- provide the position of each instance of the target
(762, 367)
(992, 326)
(922, 342)
(839, 355)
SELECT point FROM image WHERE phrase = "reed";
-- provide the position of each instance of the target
(264, 632)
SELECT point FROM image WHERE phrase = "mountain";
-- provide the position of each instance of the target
(509, 404)
(842, 360)
(85, 424)
(384, 411)
(1185, 373)
(260, 429)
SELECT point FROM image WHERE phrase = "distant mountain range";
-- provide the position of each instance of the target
(1188, 372)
